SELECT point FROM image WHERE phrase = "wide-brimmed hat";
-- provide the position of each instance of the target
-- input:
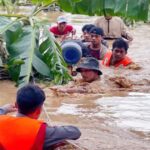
(61, 19)
(89, 63)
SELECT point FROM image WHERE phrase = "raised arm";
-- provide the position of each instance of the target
(8, 108)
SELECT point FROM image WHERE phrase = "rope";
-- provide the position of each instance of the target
(47, 116)
(50, 123)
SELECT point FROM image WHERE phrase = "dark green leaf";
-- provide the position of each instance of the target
(43, 2)
(133, 9)
(40, 66)
(138, 9)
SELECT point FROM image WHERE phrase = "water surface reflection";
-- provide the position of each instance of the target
(128, 112)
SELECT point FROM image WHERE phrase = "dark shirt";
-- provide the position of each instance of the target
(95, 53)
(99, 53)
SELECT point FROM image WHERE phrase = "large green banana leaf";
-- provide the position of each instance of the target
(52, 56)
(134, 9)
(43, 2)
(30, 51)
(21, 44)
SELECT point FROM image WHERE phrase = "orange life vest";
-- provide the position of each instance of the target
(21, 133)
(106, 61)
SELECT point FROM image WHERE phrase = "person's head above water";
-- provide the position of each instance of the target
(29, 100)
(85, 30)
(119, 49)
(61, 22)
(61, 19)
(89, 69)
(96, 34)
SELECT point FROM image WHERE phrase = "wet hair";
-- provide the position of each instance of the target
(87, 27)
(29, 98)
(97, 30)
(120, 43)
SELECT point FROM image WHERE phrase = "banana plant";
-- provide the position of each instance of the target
(31, 49)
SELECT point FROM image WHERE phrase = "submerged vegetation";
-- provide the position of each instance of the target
(31, 50)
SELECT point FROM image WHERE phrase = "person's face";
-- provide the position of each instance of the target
(86, 36)
(95, 39)
(88, 75)
(62, 26)
(118, 54)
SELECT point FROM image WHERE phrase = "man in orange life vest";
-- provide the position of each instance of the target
(118, 56)
(24, 131)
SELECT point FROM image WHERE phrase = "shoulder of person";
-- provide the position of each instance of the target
(87, 44)
(118, 18)
(104, 48)
(53, 27)
(100, 18)
(69, 26)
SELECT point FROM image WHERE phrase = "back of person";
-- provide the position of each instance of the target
(27, 133)
(23, 131)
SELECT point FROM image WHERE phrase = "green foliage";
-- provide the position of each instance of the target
(7, 4)
(43, 2)
(13, 66)
(133, 9)
(139, 9)
(32, 49)
(51, 54)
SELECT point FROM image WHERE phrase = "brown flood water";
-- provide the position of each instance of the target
(120, 121)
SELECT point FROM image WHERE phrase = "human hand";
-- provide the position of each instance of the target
(8, 108)
(73, 31)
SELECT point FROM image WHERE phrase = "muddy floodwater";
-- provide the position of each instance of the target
(116, 121)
